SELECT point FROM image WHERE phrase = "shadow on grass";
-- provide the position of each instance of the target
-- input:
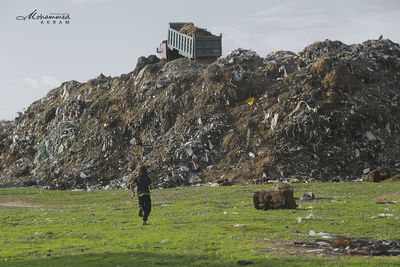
(137, 258)
(134, 258)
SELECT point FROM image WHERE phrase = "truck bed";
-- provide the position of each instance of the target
(194, 46)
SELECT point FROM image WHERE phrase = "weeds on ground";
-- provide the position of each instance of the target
(212, 226)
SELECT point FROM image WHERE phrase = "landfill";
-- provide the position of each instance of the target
(327, 113)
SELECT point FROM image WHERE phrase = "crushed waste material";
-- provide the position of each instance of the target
(329, 113)
(190, 29)
(352, 246)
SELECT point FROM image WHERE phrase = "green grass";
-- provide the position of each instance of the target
(189, 226)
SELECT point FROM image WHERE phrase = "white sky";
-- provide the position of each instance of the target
(107, 36)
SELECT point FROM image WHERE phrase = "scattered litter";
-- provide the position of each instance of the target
(381, 202)
(319, 250)
(234, 212)
(307, 196)
(352, 246)
(310, 216)
(324, 235)
(382, 215)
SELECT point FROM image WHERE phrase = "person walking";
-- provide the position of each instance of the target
(143, 184)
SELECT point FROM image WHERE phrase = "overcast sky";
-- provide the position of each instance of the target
(107, 36)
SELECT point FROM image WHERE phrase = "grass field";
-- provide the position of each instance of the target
(200, 226)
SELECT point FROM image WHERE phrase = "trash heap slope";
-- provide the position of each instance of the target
(328, 112)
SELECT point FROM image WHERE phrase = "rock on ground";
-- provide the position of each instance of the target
(280, 197)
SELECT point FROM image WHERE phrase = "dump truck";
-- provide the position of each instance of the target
(186, 40)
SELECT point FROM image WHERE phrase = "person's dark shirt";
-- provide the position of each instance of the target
(142, 183)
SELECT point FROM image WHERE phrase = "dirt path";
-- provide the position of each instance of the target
(19, 204)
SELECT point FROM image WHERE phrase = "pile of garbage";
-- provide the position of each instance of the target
(190, 29)
(6, 128)
(352, 246)
(328, 113)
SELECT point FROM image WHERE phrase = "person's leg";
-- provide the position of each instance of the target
(141, 204)
(146, 207)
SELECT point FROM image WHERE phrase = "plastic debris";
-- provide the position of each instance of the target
(382, 215)
(250, 101)
(324, 235)
(352, 246)
(239, 225)
(307, 196)
(310, 216)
